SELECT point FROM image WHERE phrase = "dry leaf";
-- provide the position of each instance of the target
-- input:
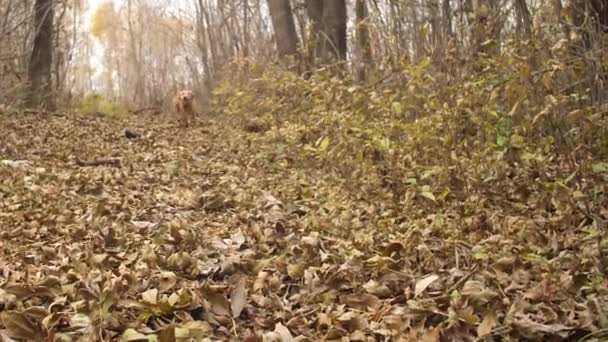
(468, 315)
(20, 326)
(150, 296)
(358, 336)
(487, 324)
(478, 292)
(238, 239)
(533, 329)
(167, 334)
(377, 289)
(201, 327)
(131, 335)
(296, 271)
(219, 304)
(260, 281)
(167, 281)
(361, 301)
(238, 298)
(97, 259)
(431, 335)
(283, 333)
(422, 284)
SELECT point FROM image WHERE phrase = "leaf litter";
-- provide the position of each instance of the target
(191, 239)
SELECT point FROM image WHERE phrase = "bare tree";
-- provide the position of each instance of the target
(328, 23)
(314, 9)
(284, 27)
(41, 59)
(446, 14)
(154, 49)
(524, 19)
(363, 44)
(334, 22)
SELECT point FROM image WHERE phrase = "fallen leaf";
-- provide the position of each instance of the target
(238, 239)
(283, 333)
(80, 320)
(238, 298)
(361, 301)
(260, 281)
(487, 324)
(431, 335)
(20, 326)
(296, 271)
(219, 304)
(167, 334)
(150, 296)
(167, 281)
(132, 335)
(422, 284)
(199, 327)
(533, 329)
(377, 289)
(478, 292)
(428, 195)
(98, 259)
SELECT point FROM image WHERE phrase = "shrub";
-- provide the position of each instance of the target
(416, 134)
(94, 103)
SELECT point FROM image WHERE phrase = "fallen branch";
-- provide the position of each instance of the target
(42, 112)
(100, 162)
(153, 110)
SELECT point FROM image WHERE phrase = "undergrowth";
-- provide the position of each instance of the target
(95, 103)
(432, 141)
(492, 171)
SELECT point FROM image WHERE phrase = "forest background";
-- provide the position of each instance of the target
(458, 149)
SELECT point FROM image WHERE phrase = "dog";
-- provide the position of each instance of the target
(183, 103)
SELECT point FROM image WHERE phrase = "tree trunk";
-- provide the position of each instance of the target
(417, 35)
(436, 37)
(138, 81)
(328, 42)
(41, 59)
(203, 44)
(600, 10)
(334, 21)
(314, 9)
(446, 18)
(246, 28)
(589, 17)
(524, 19)
(486, 27)
(363, 45)
(284, 28)
(590, 21)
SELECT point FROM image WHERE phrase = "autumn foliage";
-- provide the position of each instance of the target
(441, 182)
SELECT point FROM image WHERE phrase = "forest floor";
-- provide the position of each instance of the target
(180, 233)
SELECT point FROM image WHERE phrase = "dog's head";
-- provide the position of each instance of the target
(186, 96)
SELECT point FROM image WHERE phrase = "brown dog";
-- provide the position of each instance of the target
(183, 104)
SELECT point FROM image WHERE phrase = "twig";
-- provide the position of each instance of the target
(596, 333)
(462, 280)
(100, 162)
(155, 110)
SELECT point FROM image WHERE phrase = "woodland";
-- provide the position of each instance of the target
(381, 170)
